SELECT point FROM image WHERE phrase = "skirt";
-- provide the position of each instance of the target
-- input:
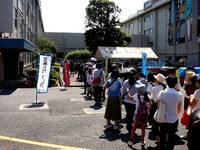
(113, 109)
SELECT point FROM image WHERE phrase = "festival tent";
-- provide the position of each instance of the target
(124, 53)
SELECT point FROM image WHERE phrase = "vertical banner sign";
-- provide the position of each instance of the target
(172, 11)
(189, 20)
(66, 75)
(144, 64)
(43, 73)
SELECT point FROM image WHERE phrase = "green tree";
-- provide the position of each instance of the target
(79, 54)
(101, 21)
(47, 46)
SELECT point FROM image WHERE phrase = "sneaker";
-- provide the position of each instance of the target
(108, 126)
(143, 143)
(130, 143)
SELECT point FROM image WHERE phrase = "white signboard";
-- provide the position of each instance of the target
(43, 73)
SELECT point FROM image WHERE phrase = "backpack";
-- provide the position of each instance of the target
(142, 112)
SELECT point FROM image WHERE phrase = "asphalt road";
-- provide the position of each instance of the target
(64, 125)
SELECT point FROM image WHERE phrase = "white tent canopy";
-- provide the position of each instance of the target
(124, 52)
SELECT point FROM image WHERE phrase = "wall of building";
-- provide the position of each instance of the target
(67, 41)
(158, 39)
(6, 13)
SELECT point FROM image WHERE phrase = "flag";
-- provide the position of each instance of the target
(66, 74)
(43, 73)
(144, 64)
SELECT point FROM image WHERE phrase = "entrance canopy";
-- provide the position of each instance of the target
(124, 52)
(20, 44)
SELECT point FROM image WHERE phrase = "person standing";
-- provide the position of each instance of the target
(90, 77)
(98, 87)
(129, 104)
(151, 83)
(195, 103)
(172, 100)
(141, 112)
(189, 86)
(160, 81)
(85, 70)
(113, 107)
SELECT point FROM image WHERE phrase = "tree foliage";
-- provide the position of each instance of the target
(101, 21)
(47, 46)
(79, 54)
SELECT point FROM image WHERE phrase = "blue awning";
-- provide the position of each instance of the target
(21, 44)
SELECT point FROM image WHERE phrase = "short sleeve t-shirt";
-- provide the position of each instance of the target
(171, 99)
(114, 89)
(197, 97)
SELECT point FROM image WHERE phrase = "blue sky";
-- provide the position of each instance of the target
(69, 15)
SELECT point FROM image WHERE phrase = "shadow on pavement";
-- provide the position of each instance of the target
(7, 91)
(111, 135)
(178, 140)
(36, 105)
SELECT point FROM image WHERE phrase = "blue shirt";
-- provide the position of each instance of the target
(114, 89)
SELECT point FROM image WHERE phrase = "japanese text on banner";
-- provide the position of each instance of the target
(43, 73)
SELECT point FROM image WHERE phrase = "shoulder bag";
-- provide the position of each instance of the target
(159, 115)
(123, 96)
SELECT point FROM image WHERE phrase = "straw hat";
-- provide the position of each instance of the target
(160, 78)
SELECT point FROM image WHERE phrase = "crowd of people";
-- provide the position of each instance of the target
(142, 98)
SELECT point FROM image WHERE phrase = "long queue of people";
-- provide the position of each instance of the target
(142, 99)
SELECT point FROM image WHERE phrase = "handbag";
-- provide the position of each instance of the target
(159, 115)
(97, 80)
(186, 116)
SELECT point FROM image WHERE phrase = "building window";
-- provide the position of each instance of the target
(150, 17)
(20, 26)
(151, 44)
(21, 5)
(15, 17)
(147, 4)
(148, 31)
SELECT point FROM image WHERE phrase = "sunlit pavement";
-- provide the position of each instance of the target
(69, 122)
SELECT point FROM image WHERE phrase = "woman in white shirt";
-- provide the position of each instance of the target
(90, 78)
(160, 79)
(129, 104)
(172, 101)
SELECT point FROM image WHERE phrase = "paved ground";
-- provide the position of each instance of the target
(64, 125)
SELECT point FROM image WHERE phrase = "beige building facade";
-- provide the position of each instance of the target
(170, 28)
(67, 42)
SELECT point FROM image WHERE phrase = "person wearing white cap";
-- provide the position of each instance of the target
(141, 112)
(160, 79)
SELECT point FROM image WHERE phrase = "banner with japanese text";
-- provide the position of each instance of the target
(43, 73)
(66, 73)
